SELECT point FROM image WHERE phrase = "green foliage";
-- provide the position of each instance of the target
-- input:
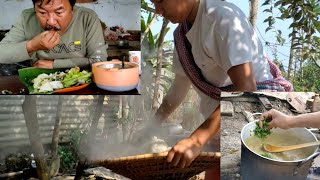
(69, 152)
(267, 155)
(271, 21)
(305, 15)
(307, 79)
(266, 2)
(76, 136)
(68, 157)
(158, 35)
(144, 4)
(150, 45)
(167, 77)
(279, 37)
(262, 132)
(151, 39)
(74, 76)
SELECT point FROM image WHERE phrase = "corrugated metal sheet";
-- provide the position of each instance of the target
(77, 112)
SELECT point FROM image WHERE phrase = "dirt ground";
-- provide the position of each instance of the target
(231, 130)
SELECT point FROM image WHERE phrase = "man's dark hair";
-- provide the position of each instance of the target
(72, 2)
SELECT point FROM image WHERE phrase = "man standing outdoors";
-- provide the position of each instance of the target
(55, 34)
(216, 49)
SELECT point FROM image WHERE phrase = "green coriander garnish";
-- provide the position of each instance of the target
(267, 155)
(262, 132)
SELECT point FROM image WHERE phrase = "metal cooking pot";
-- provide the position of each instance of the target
(254, 166)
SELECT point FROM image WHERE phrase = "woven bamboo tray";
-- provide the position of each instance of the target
(155, 166)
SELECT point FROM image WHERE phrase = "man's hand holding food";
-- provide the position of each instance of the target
(44, 41)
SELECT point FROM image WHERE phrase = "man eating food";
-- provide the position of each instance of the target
(55, 34)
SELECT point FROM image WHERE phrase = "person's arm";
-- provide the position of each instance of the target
(283, 121)
(234, 46)
(62, 63)
(71, 62)
(44, 41)
(242, 77)
(306, 120)
(208, 128)
(185, 151)
(170, 102)
(173, 98)
(13, 45)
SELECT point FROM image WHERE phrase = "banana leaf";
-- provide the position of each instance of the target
(26, 75)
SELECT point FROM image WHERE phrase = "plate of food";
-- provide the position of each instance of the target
(49, 81)
(71, 89)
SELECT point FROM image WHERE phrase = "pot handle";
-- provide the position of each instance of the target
(295, 171)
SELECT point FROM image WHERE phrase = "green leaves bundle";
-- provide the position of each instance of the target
(74, 76)
(262, 132)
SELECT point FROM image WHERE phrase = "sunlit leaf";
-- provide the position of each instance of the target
(143, 25)
(268, 29)
(267, 10)
(266, 2)
(298, 16)
(277, 3)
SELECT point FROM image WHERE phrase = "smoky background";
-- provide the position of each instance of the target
(88, 128)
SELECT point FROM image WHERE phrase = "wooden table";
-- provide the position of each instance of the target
(13, 84)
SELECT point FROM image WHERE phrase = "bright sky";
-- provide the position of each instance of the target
(283, 52)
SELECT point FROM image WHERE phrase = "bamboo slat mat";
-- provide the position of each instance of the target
(154, 166)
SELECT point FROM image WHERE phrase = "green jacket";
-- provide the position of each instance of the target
(79, 45)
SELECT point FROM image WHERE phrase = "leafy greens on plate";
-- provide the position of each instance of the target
(46, 81)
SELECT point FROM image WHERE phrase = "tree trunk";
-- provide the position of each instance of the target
(294, 69)
(124, 117)
(95, 120)
(253, 12)
(301, 72)
(54, 163)
(29, 108)
(55, 135)
(301, 59)
(155, 101)
(291, 56)
(85, 143)
(136, 112)
(120, 107)
(111, 119)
